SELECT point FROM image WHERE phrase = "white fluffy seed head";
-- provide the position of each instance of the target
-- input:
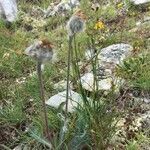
(41, 51)
(76, 23)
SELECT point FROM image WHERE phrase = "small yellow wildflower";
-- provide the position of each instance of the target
(99, 25)
(120, 5)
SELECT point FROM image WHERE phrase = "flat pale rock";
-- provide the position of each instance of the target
(89, 54)
(60, 98)
(64, 5)
(88, 82)
(8, 10)
(114, 54)
(139, 2)
(108, 58)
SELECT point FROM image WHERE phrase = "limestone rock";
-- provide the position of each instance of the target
(114, 54)
(104, 84)
(60, 98)
(139, 2)
(60, 8)
(88, 82)
(8, 10)
(108, 58)
(89, 54)
(146, 100)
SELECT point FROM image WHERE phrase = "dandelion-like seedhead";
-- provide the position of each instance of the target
(41, 51)
(76, 23)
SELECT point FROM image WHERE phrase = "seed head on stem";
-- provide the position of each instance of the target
(41, 51)
(76, 23)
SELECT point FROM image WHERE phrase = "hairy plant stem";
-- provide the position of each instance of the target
(64, 128)
(68, 74)
(41, 85)
(77, 71)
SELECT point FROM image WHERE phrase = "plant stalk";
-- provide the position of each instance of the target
(64, 128)
(41, 85)
(68, 74)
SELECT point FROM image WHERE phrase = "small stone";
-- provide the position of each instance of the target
(21, 80)
(61, 8)
(95, 6)
(104, 84)
(146, 100)
(146, 18)
(134, 29)
(138, 23)
(89, 54)
(19, 147)
(88, 82)
(139, 2)
(60, 98)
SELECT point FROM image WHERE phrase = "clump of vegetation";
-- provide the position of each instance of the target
(94, 123)
(136, 71)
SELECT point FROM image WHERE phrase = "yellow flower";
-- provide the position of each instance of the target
(120, 5)
(99, 25)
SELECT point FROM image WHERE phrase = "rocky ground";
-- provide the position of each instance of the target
(114, 49)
